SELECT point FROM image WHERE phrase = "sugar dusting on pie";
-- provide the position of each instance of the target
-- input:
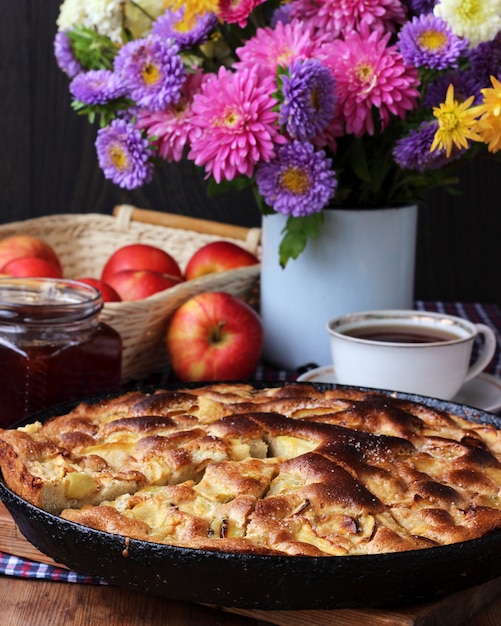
(280, 470)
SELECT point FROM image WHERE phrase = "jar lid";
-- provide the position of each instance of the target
(47, 299)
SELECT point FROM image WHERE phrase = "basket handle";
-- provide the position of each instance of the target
(125, 213)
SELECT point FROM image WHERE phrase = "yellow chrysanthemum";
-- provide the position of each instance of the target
(456, 123)
(192, 8)
(489, 124)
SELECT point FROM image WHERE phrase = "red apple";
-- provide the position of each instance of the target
(30, 266)
(218, 256)
(214, 336)
(139, 284)
(107, 292)
(16, 246)
(140, 256)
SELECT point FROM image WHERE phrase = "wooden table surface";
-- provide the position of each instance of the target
(28, 602)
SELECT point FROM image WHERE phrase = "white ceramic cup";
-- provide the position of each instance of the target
(404, 350)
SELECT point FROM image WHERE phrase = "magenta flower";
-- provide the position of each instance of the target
(332, 18)
(237, 11)
(271, 48)
(371, 76)
(170, 129)
(234, 124)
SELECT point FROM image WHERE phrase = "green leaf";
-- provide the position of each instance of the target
(92, 51)
(104, 112)
(297, 232)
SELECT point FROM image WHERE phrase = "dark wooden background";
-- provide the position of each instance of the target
(48, 165)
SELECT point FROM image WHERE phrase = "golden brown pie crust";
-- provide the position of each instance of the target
(279, 470)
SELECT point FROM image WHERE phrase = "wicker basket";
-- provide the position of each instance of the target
(84, 242)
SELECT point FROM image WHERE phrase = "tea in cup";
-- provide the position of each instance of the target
(405, 350)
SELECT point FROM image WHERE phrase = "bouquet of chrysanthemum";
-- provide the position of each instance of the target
(312, 102)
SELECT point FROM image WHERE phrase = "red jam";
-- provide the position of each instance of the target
(52, 346)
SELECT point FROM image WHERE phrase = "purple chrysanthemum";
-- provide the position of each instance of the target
(413, 152)
(309, 99)
(124, 154)
(299, 181)
(421, 7)
(64, 55)
(428, 41)
(128, 114)
(281, 14)
(171, 25)
(466, 84)
(96, 87)
(152, 72)
(485, 60)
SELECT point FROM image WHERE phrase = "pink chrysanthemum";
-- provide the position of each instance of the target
(236, 11)
(234, 124)
(171, 127)
(281, 46)
(334, 17)
(369, 74)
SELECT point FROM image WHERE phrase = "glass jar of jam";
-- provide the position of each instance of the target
(53, 347)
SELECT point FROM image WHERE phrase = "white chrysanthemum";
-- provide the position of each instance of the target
(475, 20)
(106, 16)
(71, 12)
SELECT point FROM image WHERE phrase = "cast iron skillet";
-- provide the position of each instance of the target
(264, 582)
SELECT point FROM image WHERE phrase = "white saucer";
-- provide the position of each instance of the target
(483, 392)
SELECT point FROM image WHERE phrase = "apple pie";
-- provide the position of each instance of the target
(293, 469)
